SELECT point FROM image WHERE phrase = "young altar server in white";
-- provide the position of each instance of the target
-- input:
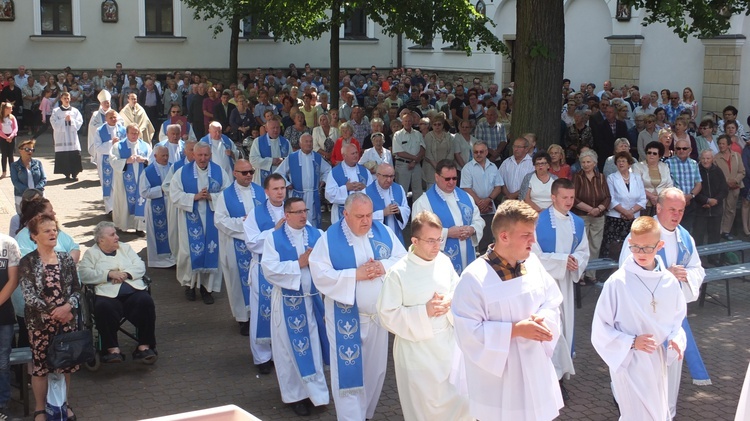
(563, 249)
(348, 264)
(157, 209)
(297, 315)
(128, 158)
(414, 304)
(637, 326)
(507, 320)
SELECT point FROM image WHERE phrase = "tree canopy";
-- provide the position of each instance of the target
(701, 18)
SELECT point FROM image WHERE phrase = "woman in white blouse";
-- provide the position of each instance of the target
(376, 155)
(655, 175)
(324, 137)
(628, 199)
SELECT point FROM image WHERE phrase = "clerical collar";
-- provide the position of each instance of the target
(292, 234)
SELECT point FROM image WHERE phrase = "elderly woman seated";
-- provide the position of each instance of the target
(117, 272)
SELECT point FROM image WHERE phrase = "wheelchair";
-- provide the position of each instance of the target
(89, 322)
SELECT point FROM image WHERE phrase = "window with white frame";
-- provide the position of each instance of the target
(252, 28)
(356, 26)
(57, 17)
(159, 18)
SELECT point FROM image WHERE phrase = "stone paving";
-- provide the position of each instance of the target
(204, 362)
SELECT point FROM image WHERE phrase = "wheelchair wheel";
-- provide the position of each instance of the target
(94, 364)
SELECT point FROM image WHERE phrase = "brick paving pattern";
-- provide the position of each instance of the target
(204, 362)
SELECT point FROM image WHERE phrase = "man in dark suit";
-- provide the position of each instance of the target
(606, 132)
(597, 118)
(223, 110)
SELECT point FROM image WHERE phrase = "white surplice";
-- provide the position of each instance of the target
(289, 275)
(259, 162)
(120, 216)
(174, 241)
(308, 187)
(342, 286)
(97, 150)
(219, 154)
(507, 378)
(183, 202)
(255, 240)
(424, 347)
(229, 230)
(556, 265)
(148, 192)
(423, 204)
(336, 194)
(624, 311)
(97, 120)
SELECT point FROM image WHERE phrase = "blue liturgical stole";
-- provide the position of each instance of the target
(236, 209)
(227, 142)
(295, 309)
(203, 243)
(107, 170)
(452, 247)
(346, 317)
(263, 329)
(341, 179)
(264, 146)
(136, 205)
(546, 231)
(296, 176)
(158, 213)
(378, 204)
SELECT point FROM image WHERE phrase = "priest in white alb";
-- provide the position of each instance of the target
(159, 253)
(99, 117)
(563, 249)
(507, 322)
(344, 179)
(193, 190)
(174, 144)
(389, 200)
(297, 313)
(348, 264)
(128, 158)
(100, 146)
(637, 326)
(462, 222)
(233, 206)
(172, 210)
(414, 305)
(223, 150)
(269, 151)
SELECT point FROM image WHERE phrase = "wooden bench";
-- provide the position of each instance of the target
(722, 273)
(22, 356)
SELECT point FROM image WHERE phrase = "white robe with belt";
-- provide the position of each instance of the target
(342, 286)
(120, 216)
(289, 275)
(507, 378)
(425, 347)
(184, 203)
(148, 192)
(556, 265)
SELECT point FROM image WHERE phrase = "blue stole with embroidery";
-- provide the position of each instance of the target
(452, 247)
(227, 142)
(136, 204)
(346, 317)
(263, 329)
(107, 170)
(296, 176)
(203, 243)
(158, 213)
(341, 179)
(236, 209)
(546, 231)
(692, 354)
(264, 146)
(378, 204)
(295, 309)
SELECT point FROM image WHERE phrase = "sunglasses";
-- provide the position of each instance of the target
(251, 172)
(449, 178)
(681, 149)
(29, 149)
(652, 153)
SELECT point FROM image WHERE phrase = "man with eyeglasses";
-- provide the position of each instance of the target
(680, 257)
(463, 225)
(286, 266)
(515, 168)
(481, 179)
(175, 117)
(266, 216)
(345, 179)
(686, 177)
(674, 108)
(389, 203)
(156, 210)
(563, 248)
(304, 172)
(232, 207)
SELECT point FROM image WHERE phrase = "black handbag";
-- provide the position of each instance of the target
(72, 348)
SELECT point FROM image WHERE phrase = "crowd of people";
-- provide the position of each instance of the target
(236, 190)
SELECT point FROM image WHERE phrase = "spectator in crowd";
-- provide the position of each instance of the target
(377, 125)
(223, 110)
(685, 176)
(482, 181)
(241, 120)
(439, 145)
(730, 164)
(323, 137)
(635, 131)
(655, 175)
(730, 129)
(295, 131)
(666, 138)
(463, 143)
(710, 202)
(12, 94)
(578, 135)
(661, 119)
(32, 96)
(347, 138)
(116, 272)
(730, 114)
(745, 193)
(7, 135)
(408, 151)
(26, 172)
(689, 102)
(681, 126)
(536, 187)
(591, 203)
(195, 111)
(606, 132)
(557, 166)
(10, 257)
(647, 135)
(493, 133)
(377, 154)
(621, 144)
(628, 199)
(51, 291)
(706, 139)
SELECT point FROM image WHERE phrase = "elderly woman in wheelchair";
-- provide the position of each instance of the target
(117, 273)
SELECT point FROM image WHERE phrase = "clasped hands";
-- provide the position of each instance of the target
(647, 344)
(370, 270)
(117, 276)
(438, 305)
(533, 328)
(461, 232)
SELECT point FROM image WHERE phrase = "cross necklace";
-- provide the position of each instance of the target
(653, 299)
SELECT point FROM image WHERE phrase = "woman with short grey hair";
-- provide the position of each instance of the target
(621, 145)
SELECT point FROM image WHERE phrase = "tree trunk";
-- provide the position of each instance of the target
(333, 95)
(234, 43)
(540, 52)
